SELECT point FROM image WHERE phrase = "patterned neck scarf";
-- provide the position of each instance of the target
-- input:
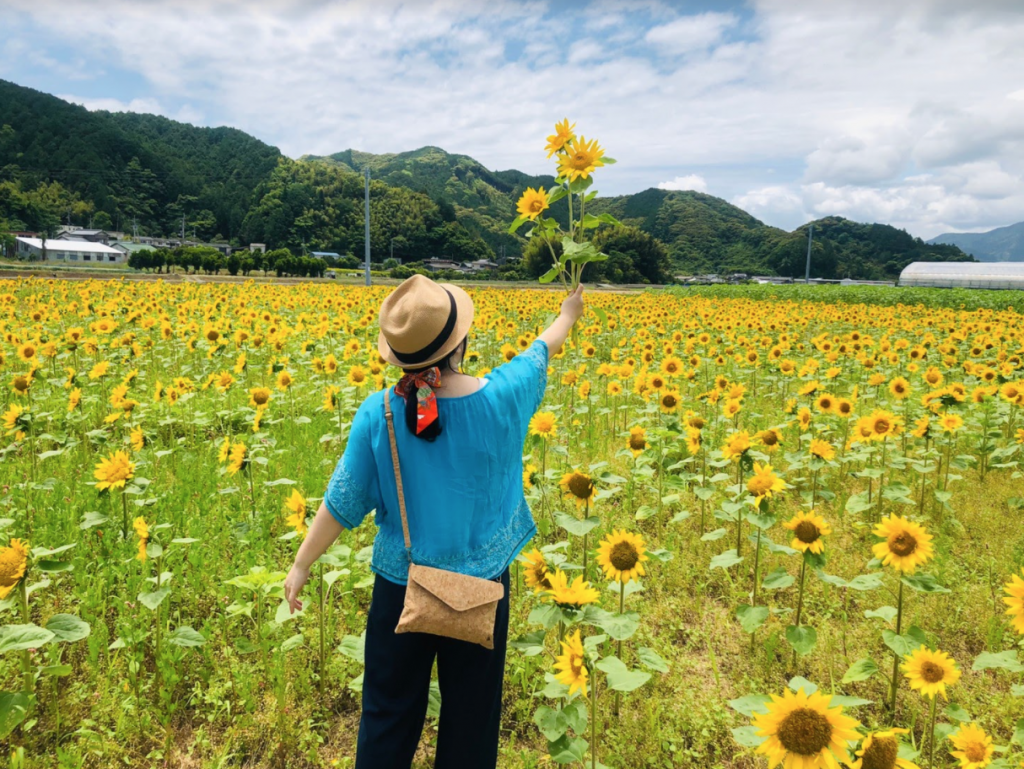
(423, 382)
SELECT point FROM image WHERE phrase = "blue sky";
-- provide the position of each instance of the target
(909, 113)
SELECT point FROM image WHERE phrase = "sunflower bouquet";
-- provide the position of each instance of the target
(570, 249)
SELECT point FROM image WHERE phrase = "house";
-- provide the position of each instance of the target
(73, 251)
(325, 254)
(480, 265)
(434, 264)
(91, 236)
(128, 247)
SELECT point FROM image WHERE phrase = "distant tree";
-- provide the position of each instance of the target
(634, 257)
(246, 265)
(233, 263)
(101, 221)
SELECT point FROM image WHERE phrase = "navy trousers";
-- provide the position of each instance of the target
(396, 684)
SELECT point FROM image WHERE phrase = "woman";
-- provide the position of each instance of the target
(461, 464)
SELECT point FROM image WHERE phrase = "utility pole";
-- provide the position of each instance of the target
(366, 174)
(183, 229)
(392, 248)
(810, 238)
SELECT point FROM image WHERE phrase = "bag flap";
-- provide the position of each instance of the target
(459, 591)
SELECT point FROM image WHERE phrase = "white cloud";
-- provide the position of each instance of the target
(906, 112)
(185, 114)
(694, 182)
(690, 33)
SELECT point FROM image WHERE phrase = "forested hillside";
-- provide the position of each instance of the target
(60, 162)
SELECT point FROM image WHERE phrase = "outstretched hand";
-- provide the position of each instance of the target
(572, 305)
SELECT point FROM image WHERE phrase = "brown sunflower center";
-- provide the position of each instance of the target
(931, 672)
(881, 754)
(881, 426)
(805, 732)
(975, 752)
(623, 556)
(536, 205)
(769, 439)
(260, 397)
(669, 401)
(903, 544)
(580, 486)
(637, 442)
(807, 532)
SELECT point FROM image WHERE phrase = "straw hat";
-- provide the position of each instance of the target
(422, 321)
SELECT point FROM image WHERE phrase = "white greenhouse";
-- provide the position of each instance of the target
(1005, 275)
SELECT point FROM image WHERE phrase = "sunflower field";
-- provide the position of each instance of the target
(771, 532)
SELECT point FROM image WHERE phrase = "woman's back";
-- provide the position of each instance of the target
(463, 490)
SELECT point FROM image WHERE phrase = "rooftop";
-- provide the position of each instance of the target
(81, 246)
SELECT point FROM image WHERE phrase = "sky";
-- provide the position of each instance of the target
(909, 113)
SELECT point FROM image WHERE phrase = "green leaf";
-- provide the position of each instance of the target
(516, 224)
(957, 713)
(796, 683)
(998, 661)
(550, 275)
(152, 600)
(803, 639)
(13, 709)
(55, 671)
(725, 560)
(547, 615)
(567, 750)
(284, 612)
(865, 582)
(778, 579)
(861, 670)
(67, 628)
(751, 617)
(354, 647)
(924, 583)
(620, 626)
(18, 637)
(551, 722)
(621, 678)
(186, 636)
(902, 645)
(751, 704)
(711, 536)
(747, 736)
(848, 702)
(292, 643)
(54, 566)
(886, 613)
(651, 659)
(556, 193)
(575, 526)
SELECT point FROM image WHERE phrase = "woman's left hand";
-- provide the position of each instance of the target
(293, 584)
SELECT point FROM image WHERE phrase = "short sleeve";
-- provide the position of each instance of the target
(354, 490)
(524, 379)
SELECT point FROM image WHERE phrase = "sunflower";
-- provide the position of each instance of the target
(137, 438)
(100, 369)
(564, 133)
(671, 366)
(764, 483)
(770, 440)
(803, 732)
(27, 352)
(621, 554)
(950, 423)
(13, 562)
(905, 545)
(732, 408)
(880, 750)
(578, 486)
(900, 388)
(578, 593)
(694, 440)
(532, 203)
(259, 396)
(544, 424)
(930, 671)
(14, 418)
(736, 445)
(142, 532)
(844, 407)
(637, 440)
(284, 380)
(571, 665)
(822, 449)
(803, 418)
(21, 383)
(825, 403)
(922, 428)
(237, 458)
(669, 402)
(973, 747)
(884, 424)
(224, 381)
(580, 159)
(529, 476)
(1014, 599)
(114, 471)
(296, 504)
(536, 571)
(808, 529)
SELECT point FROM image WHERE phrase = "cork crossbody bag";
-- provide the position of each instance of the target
(438, 601)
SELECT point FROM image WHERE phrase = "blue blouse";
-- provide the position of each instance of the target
(463, 492)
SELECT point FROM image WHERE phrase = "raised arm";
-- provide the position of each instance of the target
(555, 334)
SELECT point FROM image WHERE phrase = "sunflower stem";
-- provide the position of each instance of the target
(931, 733)
(894, 682)
(800, 599)
(593, 723)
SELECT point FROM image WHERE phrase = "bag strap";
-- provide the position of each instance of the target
(398, 472)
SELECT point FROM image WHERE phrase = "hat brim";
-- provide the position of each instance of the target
(464, 307)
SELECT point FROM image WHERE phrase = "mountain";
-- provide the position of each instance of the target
(127, 166)
(59, 161)
(1004, 244)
